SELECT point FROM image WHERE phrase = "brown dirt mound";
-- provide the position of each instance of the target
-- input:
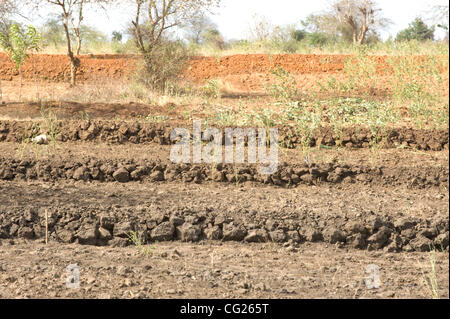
(141, 132)
(89, 216)
(288, 175)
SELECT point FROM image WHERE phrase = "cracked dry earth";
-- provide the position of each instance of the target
(309, 232)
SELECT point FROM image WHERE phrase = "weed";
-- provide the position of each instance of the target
(50, 120)
(154, 118)
(211, 89)
(306, 124)
(284, 90)
(430, 279)
(83, 115)
(266, 118)
(137, 240)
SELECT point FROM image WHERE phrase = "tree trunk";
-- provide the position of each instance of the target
(73, 73)
(73, 59)
(20, 86)
(78, 43)
(77, 28)
(362, 34)
(74, 65)
(36, 84)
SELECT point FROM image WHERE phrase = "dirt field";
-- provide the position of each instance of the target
(310, 230)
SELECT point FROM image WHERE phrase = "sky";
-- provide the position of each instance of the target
(234, 16)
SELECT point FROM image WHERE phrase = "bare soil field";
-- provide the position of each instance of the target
(106, 196)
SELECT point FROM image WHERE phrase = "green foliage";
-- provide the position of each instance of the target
(282, 39)
(137, 239)
(154, 118)
(266, 118)
(298, 35)
(53, 36)
(417, 30)
(213, 38)
(19, 42)
(117, 36)
(211, 89)
(305, 124)
(318, 39)
(284, 90)
(53, 33)
(92, 37)
(163, 64)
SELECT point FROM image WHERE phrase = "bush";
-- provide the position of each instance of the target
(298, 35)
(318, 39)
(163, 65)
(417, 30)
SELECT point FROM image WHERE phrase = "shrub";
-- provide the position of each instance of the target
(163, 65)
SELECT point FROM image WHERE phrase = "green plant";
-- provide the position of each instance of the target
(36, 150)
(162, 65)
(154, 118)
(284, 90)
(417, 30)
(186, 115)
(28, 135)
(211, 89)
(224, 117)
(136, 239)
(25, 140)
(430, 279)
(306, 125)
(237, 179)
(266, 118)
(417, 81)
(361, 72)
(18, 42)
(50, 120)
(84, 115)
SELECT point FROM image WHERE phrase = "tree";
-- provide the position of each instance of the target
(53, 32)
(417, 30)
(260, 29)
(117, 36)
(360, 16)
(439, 15)
(196, 28)
(92, 36)
(214, 38)
(71, 13)
(18, 44)
(153, 20)
(163, 15)
(7, 7)
(298, 35)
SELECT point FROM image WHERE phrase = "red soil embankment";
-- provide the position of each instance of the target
(210, 67)
(56, 68)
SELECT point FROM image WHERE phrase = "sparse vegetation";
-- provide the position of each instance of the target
(430, 277)
(136, 239)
